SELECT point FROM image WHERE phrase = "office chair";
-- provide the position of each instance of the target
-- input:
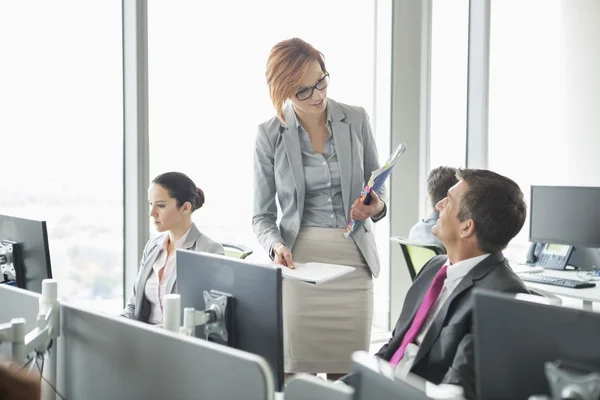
(236, 250)
(417, 254)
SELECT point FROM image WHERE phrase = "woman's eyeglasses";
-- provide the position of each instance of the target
(307, 92)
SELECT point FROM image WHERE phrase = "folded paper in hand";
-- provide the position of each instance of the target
(378, 178)
(317, 273)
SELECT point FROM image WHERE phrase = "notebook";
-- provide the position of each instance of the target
(315, 273)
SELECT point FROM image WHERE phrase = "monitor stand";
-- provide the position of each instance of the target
(11, 269)
(221, 330)
(218, 317)
(585, 258)
(572, 381)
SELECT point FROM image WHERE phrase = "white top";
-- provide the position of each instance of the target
(454, 275)
(155, 292)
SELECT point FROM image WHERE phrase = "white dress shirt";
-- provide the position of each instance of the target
(454, 275)
(155, 292)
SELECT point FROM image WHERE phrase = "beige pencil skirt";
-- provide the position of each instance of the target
(324, 324)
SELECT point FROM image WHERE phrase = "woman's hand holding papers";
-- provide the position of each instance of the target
(283, 255)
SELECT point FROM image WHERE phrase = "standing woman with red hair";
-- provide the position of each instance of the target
(313, 158)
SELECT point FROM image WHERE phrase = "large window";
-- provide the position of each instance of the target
(544, 95)
(448, 104)
(208, 91)
(61, 137)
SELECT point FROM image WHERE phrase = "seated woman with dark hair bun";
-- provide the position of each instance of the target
(173, 197)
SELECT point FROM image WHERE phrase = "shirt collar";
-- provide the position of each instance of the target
(462, 268)
(297, 121)
(433, 216)
(178, 243)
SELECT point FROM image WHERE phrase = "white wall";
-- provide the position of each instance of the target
(581, 20)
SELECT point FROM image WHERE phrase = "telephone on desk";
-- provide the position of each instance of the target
(550, 256)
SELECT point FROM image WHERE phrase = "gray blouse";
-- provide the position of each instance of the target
(323, 205)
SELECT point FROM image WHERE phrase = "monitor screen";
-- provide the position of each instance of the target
(510, 352)
(255, 290)
(30, 254)
(565, 215)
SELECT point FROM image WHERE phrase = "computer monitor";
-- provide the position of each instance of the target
(514, 338)
(24, 252)
(254, 313)
(565, 215)
(373, 378)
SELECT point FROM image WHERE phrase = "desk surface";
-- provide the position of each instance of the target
(587, 294)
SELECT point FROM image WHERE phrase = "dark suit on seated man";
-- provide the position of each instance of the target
(433, 337)
(439, 180)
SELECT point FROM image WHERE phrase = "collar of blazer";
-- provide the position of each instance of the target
(156, 249)
(478, 272)
(343, 149)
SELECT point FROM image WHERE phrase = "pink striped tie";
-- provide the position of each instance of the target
(428, 301)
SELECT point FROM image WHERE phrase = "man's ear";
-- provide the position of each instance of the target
(467, 228)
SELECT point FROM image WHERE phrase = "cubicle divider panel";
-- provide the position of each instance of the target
(17, 303)
(106, 357)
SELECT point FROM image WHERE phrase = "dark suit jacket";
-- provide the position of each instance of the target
(446, 354)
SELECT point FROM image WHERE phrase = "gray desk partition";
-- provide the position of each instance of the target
(17, 303)
(21, 303)
(105, 357)
(308, 387)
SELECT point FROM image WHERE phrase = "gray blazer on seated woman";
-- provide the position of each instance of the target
(173, 197)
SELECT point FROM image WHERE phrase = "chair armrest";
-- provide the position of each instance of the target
(239, 247)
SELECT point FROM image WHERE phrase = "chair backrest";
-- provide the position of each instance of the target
(308, 387)
(417, 254)
(236, 250)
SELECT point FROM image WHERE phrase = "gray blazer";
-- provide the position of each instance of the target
(421, 231)
(279, 172)
(138, 307)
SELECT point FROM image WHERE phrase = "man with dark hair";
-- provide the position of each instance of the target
(433, 337)
(439, 180)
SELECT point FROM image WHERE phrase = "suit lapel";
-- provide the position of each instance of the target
(291, 142)
(148, 267)
(478, 272)
(188, 244)
(192, 237)
(436, 326)
(415, 296)
(343, 149)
